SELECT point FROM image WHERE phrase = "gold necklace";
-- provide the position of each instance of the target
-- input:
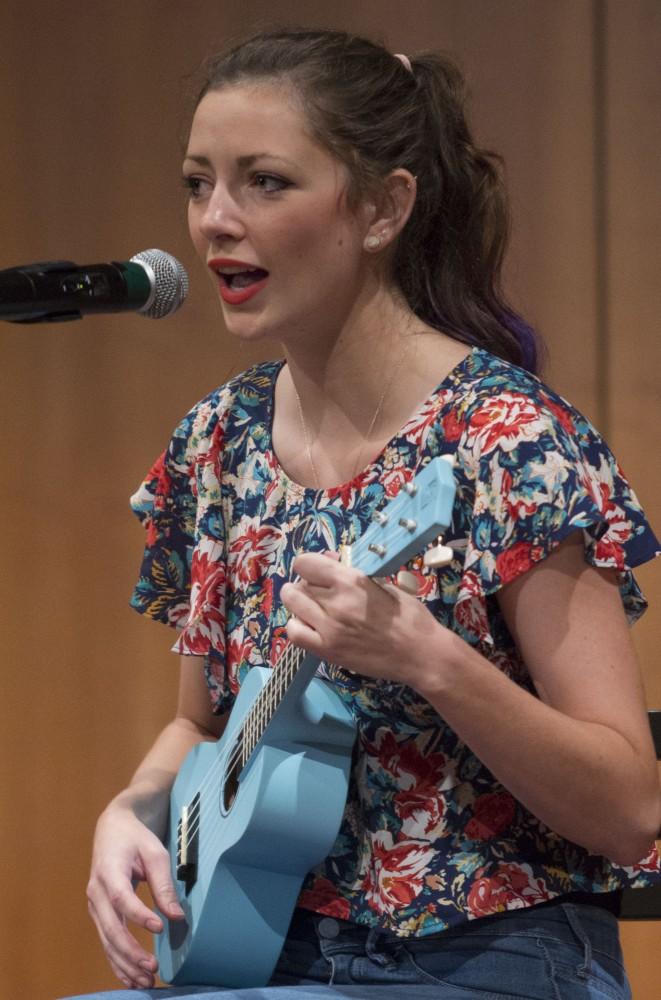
(306, 436)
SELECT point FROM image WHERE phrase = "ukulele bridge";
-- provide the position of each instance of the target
(188, 836)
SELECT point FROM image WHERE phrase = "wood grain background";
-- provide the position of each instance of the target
(91, 111)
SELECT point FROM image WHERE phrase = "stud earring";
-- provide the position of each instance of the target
(373, 242)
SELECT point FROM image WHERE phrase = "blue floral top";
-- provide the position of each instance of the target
(429, 837)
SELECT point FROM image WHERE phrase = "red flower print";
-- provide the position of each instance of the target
(279, 643)
(208, 575)
(397, 874)
(512, 887)
(452, 427)
(239, 650)
(267, 597)
(516, 506)
(151, 532)
(503, 422)
(421, 809)
(159, 482)
(516, 560)
(393, 480)
(204, 631)
(561, 414)
(427, 584)
(323, 898)
(417, 427)
(205, 627)
(493, 813)
(346, 492)
(403, 758)
(470, 610)
(208, 454)
(253, 552)
(607, 551)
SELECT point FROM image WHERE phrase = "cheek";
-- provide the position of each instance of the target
(317, 240)
(296, 238)
(198, 240)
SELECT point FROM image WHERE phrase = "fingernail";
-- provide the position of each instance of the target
(154, 925)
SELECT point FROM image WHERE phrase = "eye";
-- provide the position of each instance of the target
(269, 183)
(195, 186)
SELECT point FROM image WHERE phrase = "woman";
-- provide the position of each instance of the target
(504, 783)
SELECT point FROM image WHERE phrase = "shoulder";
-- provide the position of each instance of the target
(224, 413)
(500, 409)
(205, 431)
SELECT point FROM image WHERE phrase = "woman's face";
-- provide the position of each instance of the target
(268, 214)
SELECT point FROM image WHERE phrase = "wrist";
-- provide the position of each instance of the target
(442, 656)
(148, 806)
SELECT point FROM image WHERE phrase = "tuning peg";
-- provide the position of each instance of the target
(439, 555)
(408, 582)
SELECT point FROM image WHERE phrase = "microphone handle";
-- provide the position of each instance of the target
(62, 291)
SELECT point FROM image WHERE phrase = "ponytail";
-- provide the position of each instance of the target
(449, 258)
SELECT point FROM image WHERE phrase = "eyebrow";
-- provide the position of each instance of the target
(242, 161)
(202, 160)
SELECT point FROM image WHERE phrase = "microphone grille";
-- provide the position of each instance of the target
(168, 279)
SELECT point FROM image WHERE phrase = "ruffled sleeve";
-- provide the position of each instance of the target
(165, 504)
(183, 573)
(536, 471)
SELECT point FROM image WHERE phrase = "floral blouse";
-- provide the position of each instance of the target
(429, 837)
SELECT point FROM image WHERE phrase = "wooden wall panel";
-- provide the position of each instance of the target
(633, 238)
(91, 98)
(632, 209)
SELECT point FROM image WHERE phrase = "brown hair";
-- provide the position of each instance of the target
(374, 114)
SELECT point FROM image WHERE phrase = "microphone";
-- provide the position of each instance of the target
(152, 283)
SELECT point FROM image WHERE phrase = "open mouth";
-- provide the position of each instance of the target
(238, 279)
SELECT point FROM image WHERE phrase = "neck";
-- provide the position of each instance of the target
(345, 372)
(342, 397)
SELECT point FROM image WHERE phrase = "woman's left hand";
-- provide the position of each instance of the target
(346, 618)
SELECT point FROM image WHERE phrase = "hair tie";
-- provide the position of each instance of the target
(405, 61)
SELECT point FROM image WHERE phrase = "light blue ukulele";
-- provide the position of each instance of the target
(251, 814)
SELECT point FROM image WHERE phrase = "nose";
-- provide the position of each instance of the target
(220, 217)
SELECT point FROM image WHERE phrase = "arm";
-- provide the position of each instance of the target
(127, 843)
(580, 756)
(587, 735)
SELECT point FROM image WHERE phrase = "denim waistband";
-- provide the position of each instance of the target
(564, 919)
(551, 950)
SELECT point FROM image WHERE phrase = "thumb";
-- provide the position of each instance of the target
(159, 880)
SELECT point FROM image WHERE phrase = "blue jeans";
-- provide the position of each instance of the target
(561, 951)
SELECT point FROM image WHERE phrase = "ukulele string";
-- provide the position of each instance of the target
(254, 724)
(209, 835)
(248, 726)
(255, 721)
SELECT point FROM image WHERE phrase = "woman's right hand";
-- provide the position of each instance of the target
(126, 852)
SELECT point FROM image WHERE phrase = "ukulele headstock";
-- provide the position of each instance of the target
(421, 511)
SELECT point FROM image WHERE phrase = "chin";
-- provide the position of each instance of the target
(247, 329)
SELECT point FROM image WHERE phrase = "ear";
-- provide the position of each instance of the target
(389, 209)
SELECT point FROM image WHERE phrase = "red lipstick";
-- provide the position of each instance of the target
(238, 279)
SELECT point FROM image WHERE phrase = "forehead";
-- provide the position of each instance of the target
(264, 115)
